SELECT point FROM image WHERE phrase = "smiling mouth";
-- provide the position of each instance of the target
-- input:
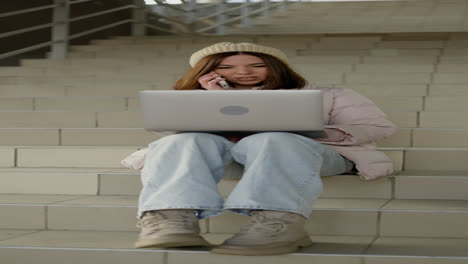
(247, 78)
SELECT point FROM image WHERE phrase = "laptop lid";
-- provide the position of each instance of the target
(232, 110)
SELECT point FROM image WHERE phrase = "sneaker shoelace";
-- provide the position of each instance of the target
(159, 221)
(261, 224)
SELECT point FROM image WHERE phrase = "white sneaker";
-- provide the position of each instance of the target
(268, 233)
(169, 228)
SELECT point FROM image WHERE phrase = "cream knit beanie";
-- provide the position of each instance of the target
(233, 47)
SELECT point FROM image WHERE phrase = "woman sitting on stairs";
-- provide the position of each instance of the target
(282, 171)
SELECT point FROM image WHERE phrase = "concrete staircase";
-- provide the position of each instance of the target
(65, 125)
(362, 17)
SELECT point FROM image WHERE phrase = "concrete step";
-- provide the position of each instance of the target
(51, 90)
(400, 103)
(332, 52)
(76, 137)
(404, 137)
(299, 42)
(70, 119)
(77, 157)
(448, 90)
(127, 182)
(454, 60)
(305, 67)
(455, 52)
(452, 68)
(325, 59)
(437, 138)
(442, 120)
(382, 68)
(399, 59)
(21, 71)
(146, 47)
(357, 40)
(323, 79)
(450, 78)
(68, 103)
(405, 52)
(450, 159)
(449, 104)
(54, 246)
(389, 89)
(393, 78)
(94, 156)
(135, 40)
(85, 182)
(137, 71)
(133, 119)
(411, 44)
(93, 80)
(110, 63)
(16, 104)
(330, 216)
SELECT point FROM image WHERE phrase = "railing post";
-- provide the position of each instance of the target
(221, 19)
(60, 16)
(246, 21)
(267, 12)
(139, 17)
(191, 15)
(284, 6)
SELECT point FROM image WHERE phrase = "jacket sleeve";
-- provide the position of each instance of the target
(136, 160)
(355, 120)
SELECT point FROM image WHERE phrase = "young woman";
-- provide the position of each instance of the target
(282, 171)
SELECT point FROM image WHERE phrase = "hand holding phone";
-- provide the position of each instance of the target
(223, 83)
(213, 81)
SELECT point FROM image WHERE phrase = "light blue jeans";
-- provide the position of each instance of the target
(281, 173)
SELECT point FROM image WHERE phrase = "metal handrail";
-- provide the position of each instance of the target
(239, 17)
(74, 36)
(264, 8)
(226, 11)
(23, 50)
(101, 13)
(172, 6)
(78, 1)
(24, 11)
(162, 29)
(84, 33)
(204, 6)
(172, 19)
(135, 6)
(49, 25)
(24, 30)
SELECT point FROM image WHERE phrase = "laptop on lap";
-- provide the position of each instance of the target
(295, 111)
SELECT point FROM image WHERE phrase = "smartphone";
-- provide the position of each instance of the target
(223, 83)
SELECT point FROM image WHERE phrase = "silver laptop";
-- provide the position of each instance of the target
(297, 111)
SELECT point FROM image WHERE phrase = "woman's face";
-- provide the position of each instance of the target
(245, 71)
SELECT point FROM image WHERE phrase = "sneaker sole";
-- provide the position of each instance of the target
(252, 251)
(172, 241)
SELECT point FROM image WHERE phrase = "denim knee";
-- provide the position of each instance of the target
(185, 138)
(278, 138)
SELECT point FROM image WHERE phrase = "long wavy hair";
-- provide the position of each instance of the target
(280, 75)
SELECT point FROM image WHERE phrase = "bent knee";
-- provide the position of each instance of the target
(279, 137)
(187, 138)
